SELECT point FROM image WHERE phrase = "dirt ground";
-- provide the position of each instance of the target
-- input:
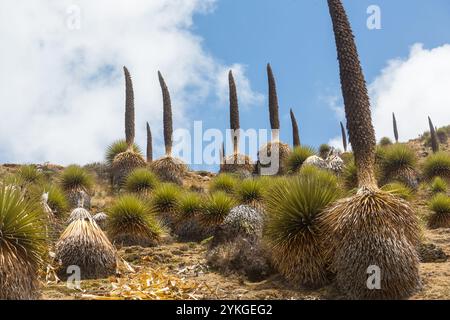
(179, 271)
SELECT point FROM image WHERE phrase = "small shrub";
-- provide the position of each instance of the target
(399, 189)
(437, 165)
(141, 180)
(224, 182)
(297, 157)
(76, 178)
(438, 185)
(132, 222)
(216, 208)
(442, 135)
(440, 216)
(29, 174)
(385, 141)
(291, 229)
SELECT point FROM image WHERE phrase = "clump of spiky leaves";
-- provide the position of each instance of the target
(394, 123)
(385, 141)
(250, 192)
(350, 176)
(141, 180)
(399, 163)
(216, 207)
(372, 228)
(165, 199)
(324, 150)
(22, 245)
(442, 135)
(224, 182)
(295, 131)
(76, 183)
(57, 200)
(131, 221)
(84, 244)
(440, 212)
(344, 137)
(434, 138)
(187, 219)
(29, 174)
(291, 229)
(399, 189)
(437, 165)
(297, 157)
(118, 147)
(438, 185)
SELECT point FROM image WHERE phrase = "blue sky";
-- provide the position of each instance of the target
(62, 83)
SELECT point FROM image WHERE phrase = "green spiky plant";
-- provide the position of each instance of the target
(324, 150)
(250, 192)
(22, 245)
(291, 229)
(118, 147)
(297, 157)
(77, 184)
(442, 135)
(57, 199)
(85, 245)
(149, 144)
(275, 149)
(295, 131)
(344, 137)
(394, 122)
(131, 221)
(440, 212)
(399, 163)
(438, 185)
(385, 141)
(165, 198)
(399, 189)
(224, 182)
(360, 231)
(141, 181)
(216, 207)
(350, 176)
(434, 138)
(29, 174)
(125, 162)
(236, 162)
(168, 168)
(437, 165)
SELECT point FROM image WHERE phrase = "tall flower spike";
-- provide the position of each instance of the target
(356, 99)
(434, 139)
(149, 144)
(167, 115)
(129, 108)
(295, 132)
(273, 104)
(234, 113)
(394, 120)
(344, 137)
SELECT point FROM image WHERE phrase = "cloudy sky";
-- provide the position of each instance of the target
(61, 84)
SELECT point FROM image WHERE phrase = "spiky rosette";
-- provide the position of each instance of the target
(291, 231)
(22, 245)
(169, 169)
(398, 164)
(372, 228)
(84, 244)
(124, 163)
(132, 222)
(278, 152)
(237, 163)
(440, 212)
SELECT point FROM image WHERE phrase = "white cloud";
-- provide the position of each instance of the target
(62, 89)
(414, 88)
